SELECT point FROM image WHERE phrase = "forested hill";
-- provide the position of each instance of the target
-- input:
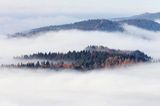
(92, 57)
(89, 25)
(93, 25)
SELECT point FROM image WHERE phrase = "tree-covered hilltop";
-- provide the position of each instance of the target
(92, 57)
(88, 25)
(104, 25)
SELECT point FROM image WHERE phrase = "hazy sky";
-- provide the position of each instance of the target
(75, 7)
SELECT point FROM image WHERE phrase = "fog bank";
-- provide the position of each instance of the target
(63, 41)
(137, 85)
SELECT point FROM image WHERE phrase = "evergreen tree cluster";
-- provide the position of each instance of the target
(86, 59)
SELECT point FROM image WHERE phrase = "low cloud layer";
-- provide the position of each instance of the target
(63, 41)
(136, 85)
(158, 20)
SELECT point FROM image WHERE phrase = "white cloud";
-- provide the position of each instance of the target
(158, 20)
(136, 86)
(64, 41)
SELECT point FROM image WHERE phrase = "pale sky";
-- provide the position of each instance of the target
(20, 15)
(79, 6)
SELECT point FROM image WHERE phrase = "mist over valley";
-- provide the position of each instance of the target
(130, 43)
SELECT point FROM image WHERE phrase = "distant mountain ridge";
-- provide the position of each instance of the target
(143, 21)
(146, 16)
(89, 25)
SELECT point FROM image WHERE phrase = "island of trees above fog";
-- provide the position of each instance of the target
(92, 57)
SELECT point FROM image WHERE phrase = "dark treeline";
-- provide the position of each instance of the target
(93, 58)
